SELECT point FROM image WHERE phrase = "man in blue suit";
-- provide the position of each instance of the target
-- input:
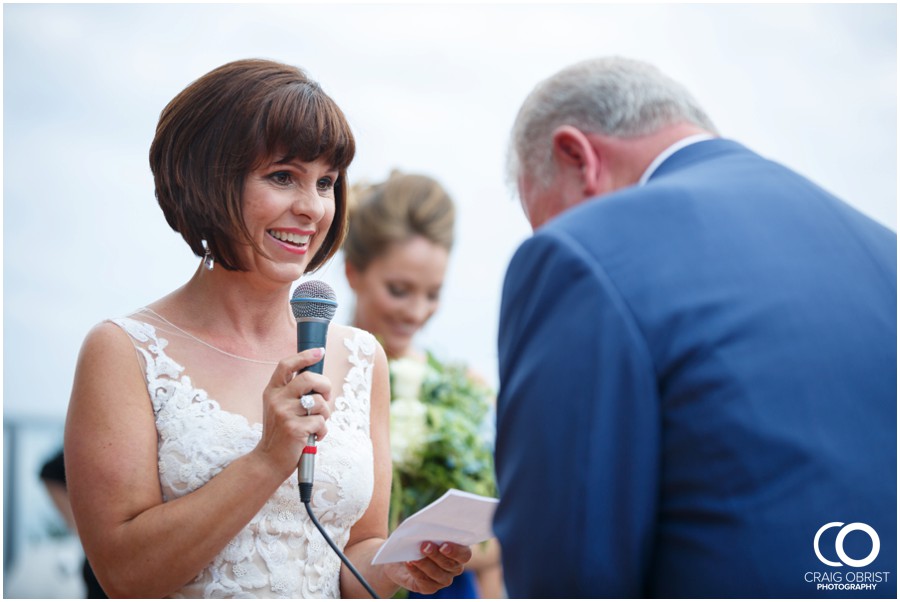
(698, 367)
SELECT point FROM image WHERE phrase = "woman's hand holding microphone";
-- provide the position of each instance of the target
(287, 424)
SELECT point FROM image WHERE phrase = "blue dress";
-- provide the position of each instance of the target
(462, 587)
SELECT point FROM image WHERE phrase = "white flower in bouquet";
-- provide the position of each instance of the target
(409, 426)
(406, 378)
(408, 431)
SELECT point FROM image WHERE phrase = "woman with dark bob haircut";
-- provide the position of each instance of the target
(188, 416)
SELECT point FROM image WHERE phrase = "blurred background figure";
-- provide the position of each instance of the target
(53, 476)
(396, 254)
(42, 555)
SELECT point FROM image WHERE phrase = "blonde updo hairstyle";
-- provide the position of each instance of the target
(394, 211)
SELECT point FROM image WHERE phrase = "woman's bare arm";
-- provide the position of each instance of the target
(138, 545)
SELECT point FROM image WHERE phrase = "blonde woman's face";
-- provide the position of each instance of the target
(399, 291)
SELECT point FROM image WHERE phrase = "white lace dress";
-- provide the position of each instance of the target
(280, 553)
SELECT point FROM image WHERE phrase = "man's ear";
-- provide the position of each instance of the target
(573, 149)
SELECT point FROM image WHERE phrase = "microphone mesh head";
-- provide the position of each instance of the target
(313, 299)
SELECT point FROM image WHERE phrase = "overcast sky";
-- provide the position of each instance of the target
(427, 88)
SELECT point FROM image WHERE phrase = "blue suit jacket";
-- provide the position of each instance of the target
(696, 375)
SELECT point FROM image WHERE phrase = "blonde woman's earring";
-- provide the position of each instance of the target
(208, 261)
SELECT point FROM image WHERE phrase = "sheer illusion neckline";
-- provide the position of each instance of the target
(210, 345)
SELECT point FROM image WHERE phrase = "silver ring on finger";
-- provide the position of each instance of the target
(307, 402)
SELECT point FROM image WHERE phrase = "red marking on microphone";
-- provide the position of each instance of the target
(309, 449)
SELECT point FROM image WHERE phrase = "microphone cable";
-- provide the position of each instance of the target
(305, 496)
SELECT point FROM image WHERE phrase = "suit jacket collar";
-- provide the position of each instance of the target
(697, 152)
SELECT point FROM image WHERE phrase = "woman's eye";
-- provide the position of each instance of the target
(325, 184)
(396, 291)
(281, 177)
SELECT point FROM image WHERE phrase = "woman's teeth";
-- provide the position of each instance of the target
(290, 237)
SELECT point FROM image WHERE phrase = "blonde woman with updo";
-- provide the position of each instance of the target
(396, 254)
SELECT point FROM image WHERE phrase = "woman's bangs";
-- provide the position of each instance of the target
(304, 123)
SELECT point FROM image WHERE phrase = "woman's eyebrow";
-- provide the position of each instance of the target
(294, 161)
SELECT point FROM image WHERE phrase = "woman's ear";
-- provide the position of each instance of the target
(352, 275)
(574, 154)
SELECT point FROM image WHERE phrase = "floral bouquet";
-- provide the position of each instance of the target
(441, 434)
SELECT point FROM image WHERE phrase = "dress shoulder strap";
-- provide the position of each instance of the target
(355, 397)
(159, 369)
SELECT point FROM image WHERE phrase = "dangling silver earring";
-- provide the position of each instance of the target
(208, 261)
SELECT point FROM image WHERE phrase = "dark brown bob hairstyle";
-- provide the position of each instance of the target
(222, 127)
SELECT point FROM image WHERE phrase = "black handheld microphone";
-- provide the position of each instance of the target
(313, 305)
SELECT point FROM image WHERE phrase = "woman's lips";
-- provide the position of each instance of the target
(294, 242)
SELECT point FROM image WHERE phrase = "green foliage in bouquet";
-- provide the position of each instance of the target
(442, 439)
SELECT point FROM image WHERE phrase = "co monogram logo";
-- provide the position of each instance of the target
(839, 544)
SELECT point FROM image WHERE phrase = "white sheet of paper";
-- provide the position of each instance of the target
(459, 517)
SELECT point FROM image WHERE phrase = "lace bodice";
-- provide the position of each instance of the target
(279, 553)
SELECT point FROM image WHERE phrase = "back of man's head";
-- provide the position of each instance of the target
(613, 96)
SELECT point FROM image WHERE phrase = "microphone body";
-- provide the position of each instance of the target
(311, 333)
(313, 305)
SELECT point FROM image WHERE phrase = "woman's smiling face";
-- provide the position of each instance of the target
(289, 206)
(399, 291)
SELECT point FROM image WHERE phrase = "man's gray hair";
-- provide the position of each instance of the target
(613, 96)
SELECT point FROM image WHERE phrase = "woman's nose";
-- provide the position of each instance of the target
(308, 203)
(419, 310)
